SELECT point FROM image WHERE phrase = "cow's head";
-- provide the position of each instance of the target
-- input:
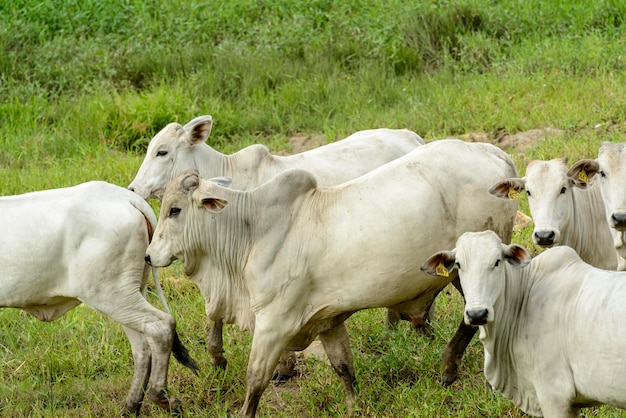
(549, 197)
(610, 170)
(179, 233)
(479, 258)
(168, 154)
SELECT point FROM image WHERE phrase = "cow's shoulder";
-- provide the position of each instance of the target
(287, 186)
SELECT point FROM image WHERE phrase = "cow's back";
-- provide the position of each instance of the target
(400, 214)
(54, 238)
(348, 158)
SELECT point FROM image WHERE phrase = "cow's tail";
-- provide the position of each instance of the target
(145, 209)
(181, 354)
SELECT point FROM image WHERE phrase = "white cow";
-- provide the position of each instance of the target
(290, 261)
(553, 330)
(86, 244)
(178, 148)
(610, 168)
(565, 211)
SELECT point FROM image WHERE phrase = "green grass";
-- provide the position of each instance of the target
(84, 85)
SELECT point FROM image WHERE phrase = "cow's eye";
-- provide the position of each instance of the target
(174, 212)
(458, 265)
(602, 173)
(528, 193)
(563, 190)
(161, 153)
(497, 263)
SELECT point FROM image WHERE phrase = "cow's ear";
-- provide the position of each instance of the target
(198, 129)
(214, 204)
(583, 173)
(509, 189)
(516, 255)
(222, 181)
(190, 180)
(440, 264)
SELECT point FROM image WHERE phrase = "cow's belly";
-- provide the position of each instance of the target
(601, 380)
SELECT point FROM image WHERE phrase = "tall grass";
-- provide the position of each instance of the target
(84, 85)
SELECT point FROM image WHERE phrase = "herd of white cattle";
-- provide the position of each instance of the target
(289, 247)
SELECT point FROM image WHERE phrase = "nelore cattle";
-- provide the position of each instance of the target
(565, 212)
(86, 244)
(289, 260)
(177, 148)
(553, 328)
(610, 171)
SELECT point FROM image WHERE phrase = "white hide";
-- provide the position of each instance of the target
(289, 260)
(609, 170)
(178, 148)
(555, 336)
(565, 212)
(87, 244)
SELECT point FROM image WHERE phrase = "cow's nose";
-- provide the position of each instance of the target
(619, 221)
(147, 258)
(478, 317)
(545, 238)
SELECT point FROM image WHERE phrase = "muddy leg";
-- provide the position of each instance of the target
(337, 345)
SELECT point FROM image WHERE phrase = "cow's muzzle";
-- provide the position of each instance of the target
(477, 317)
(544, 238)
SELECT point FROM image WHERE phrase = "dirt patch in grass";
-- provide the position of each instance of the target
(517, 142)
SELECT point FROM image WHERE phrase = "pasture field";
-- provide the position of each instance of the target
(85, 84)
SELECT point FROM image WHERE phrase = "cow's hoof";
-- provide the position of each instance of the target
(160, 398)
(281, 378)
(448, 379)
(219, 362)
(131, 410)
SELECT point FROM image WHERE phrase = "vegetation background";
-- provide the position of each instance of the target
(85, 84)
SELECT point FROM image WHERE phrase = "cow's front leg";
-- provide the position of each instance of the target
(267, 345)
(337, 346)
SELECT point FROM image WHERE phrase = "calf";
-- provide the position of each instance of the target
(552, 328)
(289, 260)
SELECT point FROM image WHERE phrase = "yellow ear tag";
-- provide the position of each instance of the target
(582, 176)
(513, 194)
(441, 270)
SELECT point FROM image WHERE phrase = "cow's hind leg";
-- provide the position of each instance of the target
(453, 353)
(157, 328)
(336, 342)
(142, 359)
(215, 344)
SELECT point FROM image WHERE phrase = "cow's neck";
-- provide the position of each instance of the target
(499, 339)
(221, 261)
(588, 220)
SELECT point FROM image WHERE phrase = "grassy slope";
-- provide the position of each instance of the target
(85, 85)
